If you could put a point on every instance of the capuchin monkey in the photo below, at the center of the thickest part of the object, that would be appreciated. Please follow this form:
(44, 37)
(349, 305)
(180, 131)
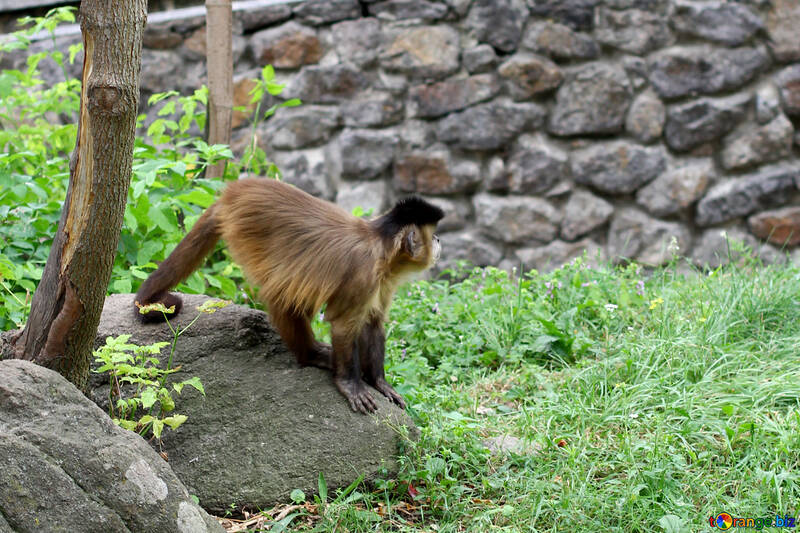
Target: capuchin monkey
(303, 252)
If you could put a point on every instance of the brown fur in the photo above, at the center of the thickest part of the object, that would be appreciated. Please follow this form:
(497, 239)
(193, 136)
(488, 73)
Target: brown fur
(303, 252)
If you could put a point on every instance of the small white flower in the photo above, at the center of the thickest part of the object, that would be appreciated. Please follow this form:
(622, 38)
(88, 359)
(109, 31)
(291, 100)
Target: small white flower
(611, 307)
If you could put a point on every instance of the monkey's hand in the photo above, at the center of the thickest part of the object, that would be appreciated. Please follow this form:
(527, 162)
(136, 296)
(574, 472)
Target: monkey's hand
(387, 390)
(357, 395)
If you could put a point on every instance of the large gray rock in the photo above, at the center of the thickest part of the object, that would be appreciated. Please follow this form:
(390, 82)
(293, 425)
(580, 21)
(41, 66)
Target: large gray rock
(617, 167)
(516, 219)
(634, 31)
(676, 189)
(65, 466)
(498, 22)
(365, 154)
(440, 98)
(287, 46)
(408, 9)
(783, 20)
(489, 126)
(535, 165)
(265, 426)
(741, 196)
(728, 23)
(583, 213)
(558, 253)
(318, 12)
(559, 42)
(695, 70)
(327, 84)
(646, 116)
(309, 170)
(426, 52)
(373, 109)
(467, 246)
(718, 246)
(593, 99)
(529, 75)
(695, 123)
(300, 127)
(577, 14)
(788, 81)
(357, 41)
(365, 194)
(634, 235)
(435, 172)
(480, 58)
(755, 144)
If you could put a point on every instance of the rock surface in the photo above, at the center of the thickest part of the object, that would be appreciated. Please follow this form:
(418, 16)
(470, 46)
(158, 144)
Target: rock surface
(634, 235)
(65, 466)
(265, 426)
(618, 167)
(676, 189)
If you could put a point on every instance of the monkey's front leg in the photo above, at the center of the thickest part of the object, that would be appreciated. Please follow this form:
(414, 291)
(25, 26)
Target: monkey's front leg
(347, 371)
(372, 352)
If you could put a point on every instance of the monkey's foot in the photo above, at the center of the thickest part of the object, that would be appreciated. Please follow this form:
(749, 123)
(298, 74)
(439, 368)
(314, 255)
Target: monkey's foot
(357, 395)
(320, 355)
(387, 390)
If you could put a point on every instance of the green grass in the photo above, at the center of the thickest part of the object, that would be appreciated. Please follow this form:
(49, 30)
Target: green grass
(642, 403)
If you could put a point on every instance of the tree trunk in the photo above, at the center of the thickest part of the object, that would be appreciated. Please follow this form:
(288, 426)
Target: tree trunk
(67, 303)
(219, 59)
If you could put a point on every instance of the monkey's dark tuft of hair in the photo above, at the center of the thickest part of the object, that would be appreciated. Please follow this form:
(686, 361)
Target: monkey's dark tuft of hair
(412, 210)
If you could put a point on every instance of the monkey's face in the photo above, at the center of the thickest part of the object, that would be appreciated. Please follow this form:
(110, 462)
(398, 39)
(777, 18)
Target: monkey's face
(421, 247)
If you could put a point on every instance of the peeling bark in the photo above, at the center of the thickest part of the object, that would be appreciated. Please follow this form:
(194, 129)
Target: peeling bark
(67, 303)
(219, 59)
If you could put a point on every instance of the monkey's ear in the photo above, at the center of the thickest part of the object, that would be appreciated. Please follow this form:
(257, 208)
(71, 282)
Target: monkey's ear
(411, 243)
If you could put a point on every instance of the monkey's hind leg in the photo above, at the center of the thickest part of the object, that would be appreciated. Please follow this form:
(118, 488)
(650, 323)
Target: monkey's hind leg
(296, 332)
(372, 352)
(347, 371)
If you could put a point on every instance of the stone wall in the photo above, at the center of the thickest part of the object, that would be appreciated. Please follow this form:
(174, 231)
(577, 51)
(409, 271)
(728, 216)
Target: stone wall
(543, 127)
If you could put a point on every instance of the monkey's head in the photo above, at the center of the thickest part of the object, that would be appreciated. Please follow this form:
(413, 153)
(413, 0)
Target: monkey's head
(410, 226)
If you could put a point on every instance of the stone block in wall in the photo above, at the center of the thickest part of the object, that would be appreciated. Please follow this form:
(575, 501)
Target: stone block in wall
(158, 68)
(290, 46)
(594, 98)
(783, 20)
(559, 42)
(480, 58)
(498, 22)
(299, 127)
(319, 12)
(457, 213)
(365, 154)
(768, 102)
(694, 70)
(489, 126)
(584, 212)
(373, 109)
(617, 167)
(327, 84)
(453, 94)
(702, 121)
(470, 246)
(366, 195)
(256, 17)
(535, 165)
(357, 41)
(309, 170)
(577, 14)
(634, 31)
(728, 23)
(754, 144)
(636, 68)
(646, 117)
(435, 172)
(634, 235)
(516, 219)
(738, 197)
(194, 46)
(676, 189)
(427, 52)
(422, 10)
(558, 253)
(528, 75)
(242, 85)
(788, 81)
(778, 226)
(718, 246)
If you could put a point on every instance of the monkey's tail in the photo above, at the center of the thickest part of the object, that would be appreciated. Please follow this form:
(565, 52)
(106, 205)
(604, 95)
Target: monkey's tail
(184, 259)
